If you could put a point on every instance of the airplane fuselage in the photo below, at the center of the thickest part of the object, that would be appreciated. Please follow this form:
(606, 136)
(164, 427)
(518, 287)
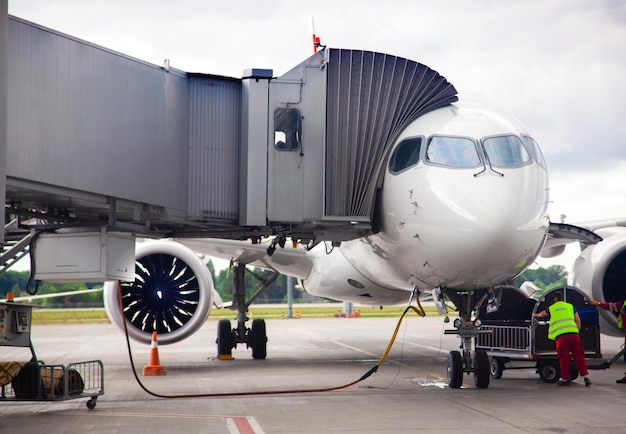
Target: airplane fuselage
(464, 205)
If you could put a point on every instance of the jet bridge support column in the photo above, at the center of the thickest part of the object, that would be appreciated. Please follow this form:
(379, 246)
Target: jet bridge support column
(4, 24)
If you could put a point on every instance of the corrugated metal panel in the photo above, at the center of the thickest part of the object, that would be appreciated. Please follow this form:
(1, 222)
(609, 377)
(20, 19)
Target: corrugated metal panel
(3, 103)
(215, 125)
(87, 118)
(371, 98)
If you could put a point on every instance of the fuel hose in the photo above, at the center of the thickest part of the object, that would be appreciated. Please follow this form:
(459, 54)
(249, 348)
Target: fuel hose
(418, 310)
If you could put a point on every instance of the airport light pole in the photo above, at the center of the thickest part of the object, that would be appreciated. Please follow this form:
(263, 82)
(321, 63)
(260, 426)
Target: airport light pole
(289, 296)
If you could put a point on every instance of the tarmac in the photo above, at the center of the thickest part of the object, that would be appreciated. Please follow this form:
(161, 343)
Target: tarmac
(286, 393)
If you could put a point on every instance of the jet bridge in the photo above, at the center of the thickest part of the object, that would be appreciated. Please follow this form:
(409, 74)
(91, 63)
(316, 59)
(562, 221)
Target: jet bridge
(95, 138)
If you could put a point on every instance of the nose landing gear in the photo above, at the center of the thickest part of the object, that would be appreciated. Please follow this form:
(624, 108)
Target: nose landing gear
(466, 361)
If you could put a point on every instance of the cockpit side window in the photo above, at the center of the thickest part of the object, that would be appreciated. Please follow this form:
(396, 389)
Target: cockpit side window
(506, 151)
(533, 147)
(287, 129)
(452, 151)
(406, 155)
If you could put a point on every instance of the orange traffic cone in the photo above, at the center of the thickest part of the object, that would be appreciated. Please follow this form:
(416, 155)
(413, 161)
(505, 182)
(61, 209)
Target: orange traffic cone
(154, 367)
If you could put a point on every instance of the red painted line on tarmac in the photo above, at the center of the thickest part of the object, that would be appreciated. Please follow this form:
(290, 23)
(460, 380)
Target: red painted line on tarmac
(243, 425)
(241, 422)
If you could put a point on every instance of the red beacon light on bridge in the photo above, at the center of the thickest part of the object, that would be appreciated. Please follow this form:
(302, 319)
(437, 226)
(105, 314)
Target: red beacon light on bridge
(316, 39)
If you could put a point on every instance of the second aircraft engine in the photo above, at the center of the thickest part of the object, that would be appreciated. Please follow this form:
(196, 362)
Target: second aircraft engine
(600, 271)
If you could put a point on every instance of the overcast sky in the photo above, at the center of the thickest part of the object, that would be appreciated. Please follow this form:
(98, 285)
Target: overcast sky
(557, 65)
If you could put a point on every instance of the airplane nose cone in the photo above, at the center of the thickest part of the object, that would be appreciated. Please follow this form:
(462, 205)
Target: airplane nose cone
(497, 232)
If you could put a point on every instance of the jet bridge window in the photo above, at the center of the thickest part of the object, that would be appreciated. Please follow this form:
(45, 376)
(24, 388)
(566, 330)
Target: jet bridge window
(452, 151)
(506, 151)
(287, 129)
(406, 155)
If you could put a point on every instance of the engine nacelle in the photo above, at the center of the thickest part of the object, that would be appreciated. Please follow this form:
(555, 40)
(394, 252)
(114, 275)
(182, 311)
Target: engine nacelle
(333, 276)
(600, 271)
(172, 294)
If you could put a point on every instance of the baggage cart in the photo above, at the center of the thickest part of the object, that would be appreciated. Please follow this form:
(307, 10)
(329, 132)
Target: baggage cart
(510, 333)
(34, 380)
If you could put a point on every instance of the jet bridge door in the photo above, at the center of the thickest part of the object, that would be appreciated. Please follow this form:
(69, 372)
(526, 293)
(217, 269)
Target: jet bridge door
(331, 123)
(296, 131)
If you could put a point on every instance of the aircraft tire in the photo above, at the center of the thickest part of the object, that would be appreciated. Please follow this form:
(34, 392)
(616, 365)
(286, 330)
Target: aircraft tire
(225, 341)
(258, 339)
(455, 370)
(482, 369)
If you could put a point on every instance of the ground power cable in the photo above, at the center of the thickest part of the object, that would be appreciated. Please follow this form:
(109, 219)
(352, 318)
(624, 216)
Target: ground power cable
(420, 311)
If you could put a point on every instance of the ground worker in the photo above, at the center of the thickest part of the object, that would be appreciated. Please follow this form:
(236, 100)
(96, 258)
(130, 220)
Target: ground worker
(564, 328)
(619, 308)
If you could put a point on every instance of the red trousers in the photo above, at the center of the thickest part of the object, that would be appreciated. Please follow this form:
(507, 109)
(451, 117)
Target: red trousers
(570, 344)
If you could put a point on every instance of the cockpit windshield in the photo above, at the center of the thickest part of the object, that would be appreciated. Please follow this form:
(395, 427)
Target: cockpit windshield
(406, 155)
(452, 151)
(506, 151)
(533, 148)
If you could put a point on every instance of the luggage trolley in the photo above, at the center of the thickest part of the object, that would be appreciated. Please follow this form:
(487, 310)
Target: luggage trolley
(510, 333)
(35, 381)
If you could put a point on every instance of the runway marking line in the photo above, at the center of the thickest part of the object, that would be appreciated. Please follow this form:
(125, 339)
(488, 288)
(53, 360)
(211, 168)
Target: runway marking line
(235, 424)
(360, 350)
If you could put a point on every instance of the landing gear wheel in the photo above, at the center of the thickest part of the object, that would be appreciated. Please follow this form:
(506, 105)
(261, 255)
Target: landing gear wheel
(549, 371)
(573, 374)
(482, 368)
(496, 367)
(455, 370)
(225, 341)
(258, 339)
(91, 404)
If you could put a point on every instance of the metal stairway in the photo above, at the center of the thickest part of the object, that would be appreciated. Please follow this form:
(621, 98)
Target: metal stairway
(16, 245)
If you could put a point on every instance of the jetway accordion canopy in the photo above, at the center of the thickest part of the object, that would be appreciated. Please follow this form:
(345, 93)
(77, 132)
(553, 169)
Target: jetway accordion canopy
(371, 98)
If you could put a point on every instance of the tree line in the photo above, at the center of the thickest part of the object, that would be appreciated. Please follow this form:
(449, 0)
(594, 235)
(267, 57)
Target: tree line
(16, 282)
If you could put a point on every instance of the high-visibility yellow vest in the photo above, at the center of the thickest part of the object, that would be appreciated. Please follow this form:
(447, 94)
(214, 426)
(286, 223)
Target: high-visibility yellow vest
(620, 316)
(562, 320)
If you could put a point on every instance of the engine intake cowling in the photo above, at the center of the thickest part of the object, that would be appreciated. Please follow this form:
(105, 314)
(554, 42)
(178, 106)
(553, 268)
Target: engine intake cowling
(171, 294)
(600, 271)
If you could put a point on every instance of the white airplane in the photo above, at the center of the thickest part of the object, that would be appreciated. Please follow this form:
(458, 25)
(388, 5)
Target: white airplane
(463, 208)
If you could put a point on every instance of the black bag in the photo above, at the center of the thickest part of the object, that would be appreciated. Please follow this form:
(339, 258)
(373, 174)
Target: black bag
(74, 382)
(27, 383)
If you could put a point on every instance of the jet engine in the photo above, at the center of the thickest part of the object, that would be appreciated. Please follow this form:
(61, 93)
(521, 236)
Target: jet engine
(600, 271)
(171, 294)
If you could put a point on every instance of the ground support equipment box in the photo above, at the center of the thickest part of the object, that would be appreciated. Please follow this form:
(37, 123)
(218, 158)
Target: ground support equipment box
(34, 380)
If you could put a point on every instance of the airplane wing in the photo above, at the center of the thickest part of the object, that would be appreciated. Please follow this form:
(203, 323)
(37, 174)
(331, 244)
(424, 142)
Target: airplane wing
(287, 260)
(561, 234)
(30, 298)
